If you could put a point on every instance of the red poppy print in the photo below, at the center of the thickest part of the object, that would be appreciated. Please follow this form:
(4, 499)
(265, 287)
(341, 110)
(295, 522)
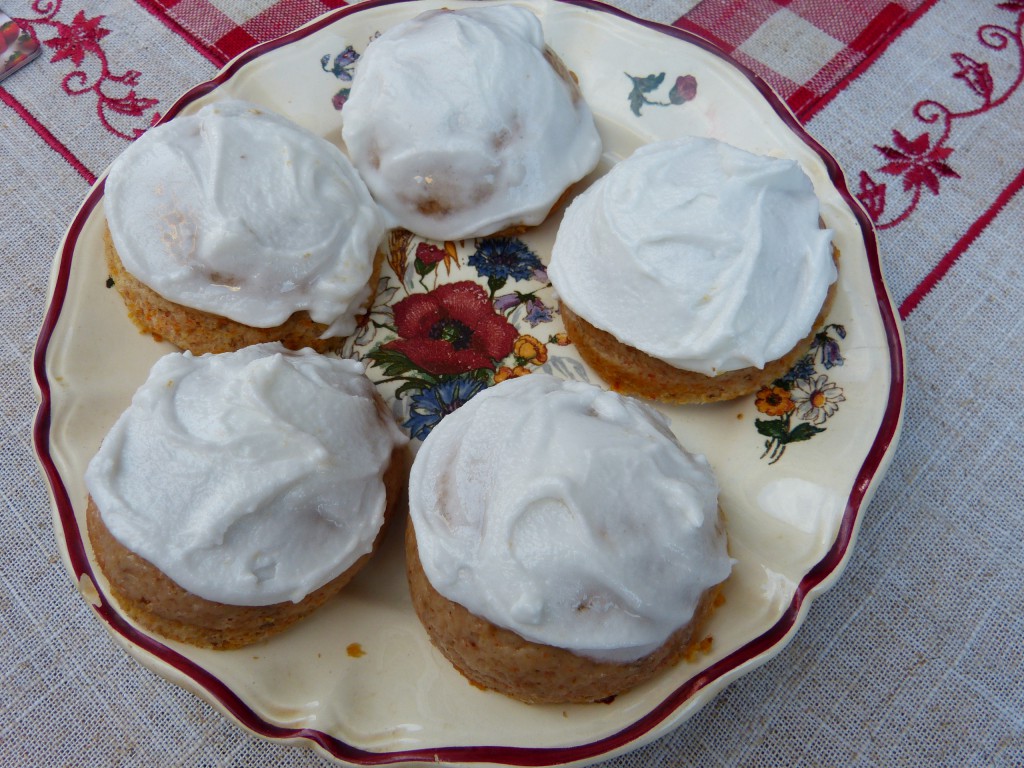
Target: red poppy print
(452, 329)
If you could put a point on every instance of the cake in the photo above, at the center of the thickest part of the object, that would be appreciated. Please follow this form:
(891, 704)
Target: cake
(465, 124)
(240, 491)
(694, 271)
(236, 226)
(562, 545)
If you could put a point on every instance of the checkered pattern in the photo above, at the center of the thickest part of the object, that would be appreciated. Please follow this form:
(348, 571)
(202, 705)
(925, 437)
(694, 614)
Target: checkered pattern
(802, 48)
(914, 658)
(224, 28)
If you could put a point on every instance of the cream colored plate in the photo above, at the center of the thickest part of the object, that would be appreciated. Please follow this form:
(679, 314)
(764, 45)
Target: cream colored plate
(792, 522)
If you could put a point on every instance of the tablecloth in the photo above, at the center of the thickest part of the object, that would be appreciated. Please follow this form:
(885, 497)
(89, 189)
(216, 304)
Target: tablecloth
(915, 657)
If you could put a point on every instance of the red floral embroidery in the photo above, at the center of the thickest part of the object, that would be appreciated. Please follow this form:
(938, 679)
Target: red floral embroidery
(871, 196)
(77, 39)
(919, 163)
(78, 42)
(975, 73)
(452, 329)
(922, 161)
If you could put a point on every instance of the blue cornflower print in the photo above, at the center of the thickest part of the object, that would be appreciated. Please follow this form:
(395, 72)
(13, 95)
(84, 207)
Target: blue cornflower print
(499, 258)
(428, 406)
(803, 369)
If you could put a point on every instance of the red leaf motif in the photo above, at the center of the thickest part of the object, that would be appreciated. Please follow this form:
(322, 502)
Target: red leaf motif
(892, 154)
(871, 196)
(75, 40)
(917, 162)
(898, 168)
(916, 147)
(64, 44)
(130, 105)
(921, 176)
(975, 74)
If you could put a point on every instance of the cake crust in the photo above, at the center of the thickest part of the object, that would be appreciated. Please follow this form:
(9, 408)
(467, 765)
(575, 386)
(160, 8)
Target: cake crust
(158, 604)
(494, 658)
(632, 372)
(200, 332)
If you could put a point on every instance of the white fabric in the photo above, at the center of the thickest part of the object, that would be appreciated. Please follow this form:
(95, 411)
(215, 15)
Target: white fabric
(914, 658)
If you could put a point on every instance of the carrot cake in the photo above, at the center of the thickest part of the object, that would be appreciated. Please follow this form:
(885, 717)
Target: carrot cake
(464, 123)
(562, 545)
(235, 226)
(240, 491)
(694, 271)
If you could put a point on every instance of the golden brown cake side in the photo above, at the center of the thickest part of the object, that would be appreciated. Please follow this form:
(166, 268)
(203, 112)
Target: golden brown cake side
(628, 370)
(201, 332)
(159, 605)
(495, 658)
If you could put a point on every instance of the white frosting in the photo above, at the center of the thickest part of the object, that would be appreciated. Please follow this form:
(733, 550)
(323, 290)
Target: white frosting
(461, 110)
(569, 515)
(242, 213)
(248, 478)
(698, 253)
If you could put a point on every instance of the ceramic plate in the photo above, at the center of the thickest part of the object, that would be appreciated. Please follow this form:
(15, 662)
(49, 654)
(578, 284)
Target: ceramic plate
(359, 679)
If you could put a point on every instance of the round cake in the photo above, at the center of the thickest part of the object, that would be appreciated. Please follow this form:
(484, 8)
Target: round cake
(464, 123)
(562, 545)
(240, 491)
(235, 226)
(694, 271)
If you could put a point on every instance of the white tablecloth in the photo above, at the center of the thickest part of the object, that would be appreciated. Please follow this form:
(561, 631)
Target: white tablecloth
(915, 657)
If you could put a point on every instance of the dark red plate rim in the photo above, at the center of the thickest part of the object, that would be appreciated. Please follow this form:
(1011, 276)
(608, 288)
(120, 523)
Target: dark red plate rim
(514, 756)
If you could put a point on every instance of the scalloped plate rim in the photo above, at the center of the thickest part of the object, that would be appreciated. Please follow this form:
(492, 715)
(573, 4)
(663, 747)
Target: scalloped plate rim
(683, 702)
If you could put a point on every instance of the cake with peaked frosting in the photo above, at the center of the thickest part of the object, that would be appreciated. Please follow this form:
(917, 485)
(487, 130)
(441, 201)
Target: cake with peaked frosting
(235, 226)
(562, 545)
(464, 123)
(240, 491)
(694, 271)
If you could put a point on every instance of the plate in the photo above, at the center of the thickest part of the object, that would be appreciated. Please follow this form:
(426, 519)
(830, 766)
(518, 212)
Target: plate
(359, 680)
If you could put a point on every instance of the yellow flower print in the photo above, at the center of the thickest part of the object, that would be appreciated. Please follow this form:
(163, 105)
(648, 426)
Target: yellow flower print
(774, 401)
(530, 350)
(504, 372)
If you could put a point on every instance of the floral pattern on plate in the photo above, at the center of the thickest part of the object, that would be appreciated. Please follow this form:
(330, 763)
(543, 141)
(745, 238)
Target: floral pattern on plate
(446, 324)
(684, 89)
(803, 394)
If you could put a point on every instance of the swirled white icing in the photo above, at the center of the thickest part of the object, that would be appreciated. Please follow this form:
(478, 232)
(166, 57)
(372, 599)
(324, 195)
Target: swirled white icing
(248, 478)
(698, 253)
(569, 515)
(242, 213)
(460, 125)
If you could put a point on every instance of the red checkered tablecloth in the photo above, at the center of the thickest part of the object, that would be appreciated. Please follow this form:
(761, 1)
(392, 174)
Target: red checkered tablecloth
(803, 49)
(914, 658)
